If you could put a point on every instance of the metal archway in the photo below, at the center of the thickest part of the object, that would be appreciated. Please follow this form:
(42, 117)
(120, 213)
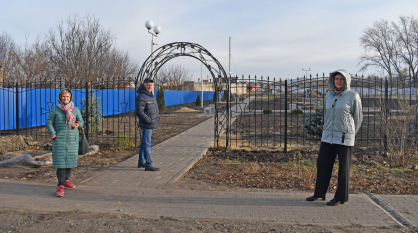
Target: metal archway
(165, 53)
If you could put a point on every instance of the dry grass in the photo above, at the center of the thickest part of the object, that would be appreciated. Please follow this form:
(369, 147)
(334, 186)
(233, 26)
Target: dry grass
(296, 170)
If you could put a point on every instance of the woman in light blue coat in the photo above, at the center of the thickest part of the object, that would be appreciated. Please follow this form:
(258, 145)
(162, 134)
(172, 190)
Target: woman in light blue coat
(342, 119)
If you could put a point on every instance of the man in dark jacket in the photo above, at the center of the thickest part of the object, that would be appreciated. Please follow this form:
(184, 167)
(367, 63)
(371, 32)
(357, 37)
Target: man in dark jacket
(146, 109)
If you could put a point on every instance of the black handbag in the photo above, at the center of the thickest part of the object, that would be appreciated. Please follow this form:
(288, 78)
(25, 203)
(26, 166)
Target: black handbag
(83, 146)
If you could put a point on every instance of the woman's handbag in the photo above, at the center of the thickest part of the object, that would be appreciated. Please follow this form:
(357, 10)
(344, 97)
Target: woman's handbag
(83, 147)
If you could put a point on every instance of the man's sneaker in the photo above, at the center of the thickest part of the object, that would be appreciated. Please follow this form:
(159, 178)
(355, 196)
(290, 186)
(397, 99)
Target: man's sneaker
(60, 191)
(68, 185)
(152, 169)
(141, 165)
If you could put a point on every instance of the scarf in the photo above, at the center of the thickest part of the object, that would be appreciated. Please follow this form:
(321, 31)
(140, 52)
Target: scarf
(67, 110)
(338, 91)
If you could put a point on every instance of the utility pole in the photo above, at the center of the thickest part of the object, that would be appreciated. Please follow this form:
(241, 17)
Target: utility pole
(306, 72)
(229, 78)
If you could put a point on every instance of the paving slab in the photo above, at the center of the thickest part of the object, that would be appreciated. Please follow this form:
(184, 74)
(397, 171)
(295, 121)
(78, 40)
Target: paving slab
(151, 202)
(405, 205)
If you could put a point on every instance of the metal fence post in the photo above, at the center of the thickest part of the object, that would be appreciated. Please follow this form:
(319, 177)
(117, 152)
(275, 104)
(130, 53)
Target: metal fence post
(228, 110)
(386, 111)
(87, 111)
(17, 108)
(285, 115)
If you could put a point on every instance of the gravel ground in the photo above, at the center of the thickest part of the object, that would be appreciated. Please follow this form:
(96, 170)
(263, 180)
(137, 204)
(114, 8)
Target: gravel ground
(26, 221)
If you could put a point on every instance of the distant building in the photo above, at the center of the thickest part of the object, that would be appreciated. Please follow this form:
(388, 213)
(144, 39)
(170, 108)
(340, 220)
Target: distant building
(173, 83)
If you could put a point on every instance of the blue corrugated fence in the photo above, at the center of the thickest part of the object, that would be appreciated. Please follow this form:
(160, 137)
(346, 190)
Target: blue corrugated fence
(35, 104)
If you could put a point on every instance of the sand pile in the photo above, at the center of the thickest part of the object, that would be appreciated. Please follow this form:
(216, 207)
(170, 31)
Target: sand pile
(186, 109)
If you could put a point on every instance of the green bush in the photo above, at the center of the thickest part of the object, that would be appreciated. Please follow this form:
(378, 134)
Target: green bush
(198, 102)
(225, 95)
(94, 112)
(267, 111)
(297, 111)
(215, 96)
(123, 142)
(160, 99)
(314, 122)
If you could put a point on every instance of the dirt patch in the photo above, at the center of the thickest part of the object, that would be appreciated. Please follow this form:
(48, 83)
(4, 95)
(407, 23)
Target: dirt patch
(30, 221)
(13, 143)
(295, 170)
(87, 166)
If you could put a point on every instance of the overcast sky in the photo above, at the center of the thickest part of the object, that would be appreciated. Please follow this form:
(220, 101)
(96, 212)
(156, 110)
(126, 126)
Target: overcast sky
(270, 38)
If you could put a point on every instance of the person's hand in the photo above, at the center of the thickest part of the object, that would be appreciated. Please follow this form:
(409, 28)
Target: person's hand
(53, 137)
(76, 125)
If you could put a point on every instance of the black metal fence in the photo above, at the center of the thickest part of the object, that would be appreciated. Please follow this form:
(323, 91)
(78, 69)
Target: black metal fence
(264, 112)
(107, 107)
(276, 111)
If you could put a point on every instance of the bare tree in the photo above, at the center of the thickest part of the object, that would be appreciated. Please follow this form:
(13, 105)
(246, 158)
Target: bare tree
(78, 48)
(172, 76)
(116, 65)
(7, 57)
(32, 62)
(406, 35)
(391, 47)
(379, 43)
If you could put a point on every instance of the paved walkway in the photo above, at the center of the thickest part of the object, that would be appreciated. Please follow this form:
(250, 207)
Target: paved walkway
(150, 202)
(124, 188)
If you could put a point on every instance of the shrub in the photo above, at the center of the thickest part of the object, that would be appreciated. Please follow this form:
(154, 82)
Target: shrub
(94, 112)
(414, 123)
(215, 96)
(123, 142)
(198, 102)
(267, 111)
(314, 122)
(160, 99)
(297, 111)
(225, 97)
(397, 134)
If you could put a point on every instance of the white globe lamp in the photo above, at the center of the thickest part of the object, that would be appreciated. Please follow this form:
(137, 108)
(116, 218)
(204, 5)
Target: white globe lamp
(149, 24)
(157, 29)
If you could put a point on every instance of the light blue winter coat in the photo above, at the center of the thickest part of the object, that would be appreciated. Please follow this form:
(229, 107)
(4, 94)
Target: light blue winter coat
(343, 113)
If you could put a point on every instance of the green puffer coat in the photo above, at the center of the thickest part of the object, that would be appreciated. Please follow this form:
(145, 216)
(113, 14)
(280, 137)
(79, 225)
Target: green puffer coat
(65, 145)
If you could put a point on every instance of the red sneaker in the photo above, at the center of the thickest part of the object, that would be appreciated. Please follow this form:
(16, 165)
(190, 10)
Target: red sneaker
(68, 185)
(60, 191)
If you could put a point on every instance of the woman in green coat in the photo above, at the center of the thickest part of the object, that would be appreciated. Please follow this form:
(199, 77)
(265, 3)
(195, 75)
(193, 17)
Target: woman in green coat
(63, 123)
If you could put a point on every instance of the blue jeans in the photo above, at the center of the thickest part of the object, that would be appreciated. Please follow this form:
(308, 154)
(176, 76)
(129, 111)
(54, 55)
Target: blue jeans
(145, 148)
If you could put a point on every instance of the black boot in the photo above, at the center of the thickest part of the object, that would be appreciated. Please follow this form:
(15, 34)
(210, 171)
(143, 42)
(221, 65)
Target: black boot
(334, 202)
(313, 198)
